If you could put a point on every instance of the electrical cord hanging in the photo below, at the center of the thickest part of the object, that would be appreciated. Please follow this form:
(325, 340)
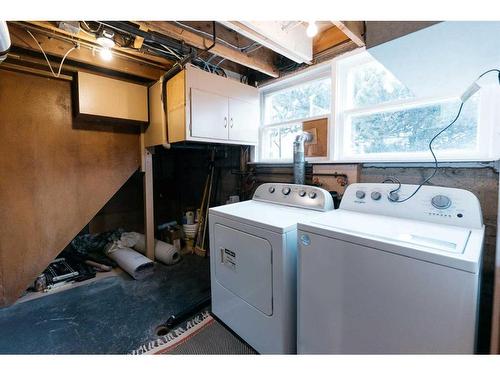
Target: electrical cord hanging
(393, 197)
(46, 58)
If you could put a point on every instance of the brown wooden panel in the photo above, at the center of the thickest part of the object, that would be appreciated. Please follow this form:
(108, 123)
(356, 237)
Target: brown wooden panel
(328, 39)
(335, 177)
(111, 98)
(156, 133)
(318, 147)
(56, 173)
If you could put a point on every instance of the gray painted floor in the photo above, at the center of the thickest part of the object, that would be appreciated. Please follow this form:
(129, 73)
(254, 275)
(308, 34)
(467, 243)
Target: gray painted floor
(110, 316)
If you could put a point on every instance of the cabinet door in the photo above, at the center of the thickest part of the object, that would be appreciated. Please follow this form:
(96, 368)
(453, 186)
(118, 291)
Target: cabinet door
(243, 121)
(209, 115)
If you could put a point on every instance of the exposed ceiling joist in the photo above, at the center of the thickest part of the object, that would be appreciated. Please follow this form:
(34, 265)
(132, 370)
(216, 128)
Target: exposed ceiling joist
(200, 42)
(58, 47)
(286, 38)
(329, 38)
(147, 58)
(355, 30)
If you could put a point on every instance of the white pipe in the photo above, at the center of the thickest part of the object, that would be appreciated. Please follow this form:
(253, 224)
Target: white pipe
(4, 40)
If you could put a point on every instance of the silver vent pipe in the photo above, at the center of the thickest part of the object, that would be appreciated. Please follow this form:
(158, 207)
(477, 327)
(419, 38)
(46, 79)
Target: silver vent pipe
(299, 161)
(4, 40)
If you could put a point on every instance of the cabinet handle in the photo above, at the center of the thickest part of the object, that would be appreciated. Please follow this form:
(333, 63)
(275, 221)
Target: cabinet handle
(232, 123)
(225, 122)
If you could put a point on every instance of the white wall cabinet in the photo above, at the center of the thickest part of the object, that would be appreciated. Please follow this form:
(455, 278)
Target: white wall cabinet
(209, 115)
(204, 107)
(242, 120)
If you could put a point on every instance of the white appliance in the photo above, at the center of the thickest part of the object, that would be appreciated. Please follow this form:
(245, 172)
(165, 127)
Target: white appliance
(4, 40)
(253, 263)
(376, 276)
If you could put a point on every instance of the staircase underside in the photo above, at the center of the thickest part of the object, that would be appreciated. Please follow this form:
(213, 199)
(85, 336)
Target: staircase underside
(56, 173)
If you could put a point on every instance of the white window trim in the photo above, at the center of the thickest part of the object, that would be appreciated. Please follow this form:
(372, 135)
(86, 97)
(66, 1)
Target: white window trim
(311, 74)
(485, 129)
(488, 132)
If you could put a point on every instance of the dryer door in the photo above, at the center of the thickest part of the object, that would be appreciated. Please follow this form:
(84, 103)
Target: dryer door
(243, 265)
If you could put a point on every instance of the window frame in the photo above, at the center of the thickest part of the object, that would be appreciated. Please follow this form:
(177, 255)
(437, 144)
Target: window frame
(488, 145)
(339, 144)
(321, 71)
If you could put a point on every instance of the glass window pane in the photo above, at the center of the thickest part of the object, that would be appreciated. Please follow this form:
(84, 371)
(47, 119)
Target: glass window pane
(277, 141)
(298, 102)
(411, 129)
(370, 84)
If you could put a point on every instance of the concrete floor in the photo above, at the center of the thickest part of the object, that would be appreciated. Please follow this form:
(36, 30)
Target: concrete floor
(110, 316)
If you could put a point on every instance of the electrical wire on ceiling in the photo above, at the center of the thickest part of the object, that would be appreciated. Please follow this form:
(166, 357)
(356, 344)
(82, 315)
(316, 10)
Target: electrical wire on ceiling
(471, 90)
(89, 28)
(154, 46)
(46, 58)
(241, 49)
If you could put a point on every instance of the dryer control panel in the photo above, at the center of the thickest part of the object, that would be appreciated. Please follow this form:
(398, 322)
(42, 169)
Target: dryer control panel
(434, 204)
(302, 196)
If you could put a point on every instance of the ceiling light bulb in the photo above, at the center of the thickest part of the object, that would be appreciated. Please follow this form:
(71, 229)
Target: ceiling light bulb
(106, 54)
(312, 29)
(105, 39)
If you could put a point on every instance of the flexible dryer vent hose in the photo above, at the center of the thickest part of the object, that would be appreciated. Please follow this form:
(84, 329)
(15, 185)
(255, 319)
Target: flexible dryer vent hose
(299, 161)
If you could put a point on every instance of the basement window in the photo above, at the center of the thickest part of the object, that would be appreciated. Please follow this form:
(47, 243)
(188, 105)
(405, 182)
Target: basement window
(372, 116)
(286, 106)
(381, 119)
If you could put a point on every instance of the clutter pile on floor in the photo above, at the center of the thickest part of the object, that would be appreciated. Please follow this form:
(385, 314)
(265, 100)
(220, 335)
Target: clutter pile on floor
(91, 253)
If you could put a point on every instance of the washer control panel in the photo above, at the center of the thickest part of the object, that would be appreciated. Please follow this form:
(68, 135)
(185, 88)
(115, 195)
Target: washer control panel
(431, 203)
(302, 196)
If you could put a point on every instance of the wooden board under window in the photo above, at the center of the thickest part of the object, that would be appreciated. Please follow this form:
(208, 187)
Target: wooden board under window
(318, 147)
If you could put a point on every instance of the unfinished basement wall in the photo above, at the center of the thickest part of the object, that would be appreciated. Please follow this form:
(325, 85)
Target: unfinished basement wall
(483, 182)
(56, 173)
(179, 175)
(124, 210)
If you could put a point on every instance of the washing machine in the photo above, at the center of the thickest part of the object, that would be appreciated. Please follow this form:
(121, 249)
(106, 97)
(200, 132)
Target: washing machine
(383, 277)
(253, 263)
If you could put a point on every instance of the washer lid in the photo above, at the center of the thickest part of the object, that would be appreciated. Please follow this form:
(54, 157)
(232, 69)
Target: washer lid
(443, 244)
(270, 216)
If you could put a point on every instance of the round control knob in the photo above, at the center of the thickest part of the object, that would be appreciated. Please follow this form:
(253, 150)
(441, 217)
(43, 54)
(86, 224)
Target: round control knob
(302, 193)
(272, 189)
(376, 195)
(393, 196)
(441, 202)
(360, 194)
(312, 195)
(285, 190)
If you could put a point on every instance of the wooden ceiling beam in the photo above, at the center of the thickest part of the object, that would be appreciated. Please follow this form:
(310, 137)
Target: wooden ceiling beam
(328, 38)
(200, 42)
(86, 55)
(355, 30)
(158, 60)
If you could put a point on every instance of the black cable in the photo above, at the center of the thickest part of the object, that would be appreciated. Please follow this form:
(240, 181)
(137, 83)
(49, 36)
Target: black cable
(87, 27)
(436, 165)
(489, 71)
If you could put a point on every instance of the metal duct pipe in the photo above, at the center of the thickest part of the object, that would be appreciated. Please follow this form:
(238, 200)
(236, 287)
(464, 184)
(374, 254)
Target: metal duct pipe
(4, 40)
(299, 161)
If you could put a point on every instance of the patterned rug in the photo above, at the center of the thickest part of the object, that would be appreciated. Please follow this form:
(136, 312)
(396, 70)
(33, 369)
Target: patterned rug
(201, 334)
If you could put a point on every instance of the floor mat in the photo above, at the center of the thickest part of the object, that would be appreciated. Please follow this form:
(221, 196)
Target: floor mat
(201, 334)
(110, 316)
